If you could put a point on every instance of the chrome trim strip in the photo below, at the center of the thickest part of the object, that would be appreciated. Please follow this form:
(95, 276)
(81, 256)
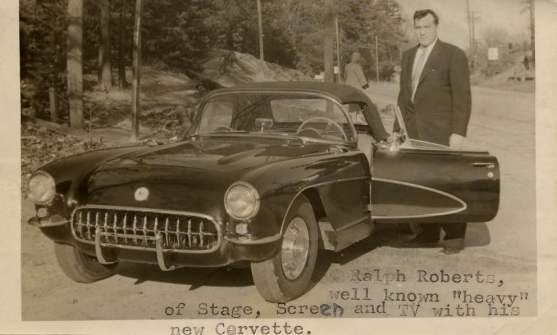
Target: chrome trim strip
(98, 250)
(115, 227)
(145, 240)
(407, 143)
(448, 195)
(47, 223)
(189, 233)
(401, 122)
(342, 180)
(200, 232)
(489, 165)
(80, 222)
(135, 229)
(146, 210)
(166, 231)
(353, 223)
(436, 147)
(268, 239)
(125, 226)
(217, 225)
(88, 225)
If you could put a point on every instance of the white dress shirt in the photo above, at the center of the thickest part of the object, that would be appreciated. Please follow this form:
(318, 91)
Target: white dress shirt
(422, 55)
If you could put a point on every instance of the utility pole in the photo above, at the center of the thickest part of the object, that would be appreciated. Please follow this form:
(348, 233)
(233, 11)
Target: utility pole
(377, 58)
(260, 22)
(475, 18)
(471, 38)
(472, 18)
(339, 61)
(328, 43)
(136, 85)
(469, 19)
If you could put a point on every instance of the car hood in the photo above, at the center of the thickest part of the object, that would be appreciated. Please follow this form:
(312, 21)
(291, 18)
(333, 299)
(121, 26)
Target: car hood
(192, 175)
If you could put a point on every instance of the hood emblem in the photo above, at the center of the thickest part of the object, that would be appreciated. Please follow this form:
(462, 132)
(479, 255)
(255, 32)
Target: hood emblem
(141, 194)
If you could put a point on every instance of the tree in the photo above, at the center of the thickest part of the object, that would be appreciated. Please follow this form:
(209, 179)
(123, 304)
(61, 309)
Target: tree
(328, 42)
(105, 67)
(530, 7)
(74, 62)
(136, 83)
(495, 37)
(176, 33)
(121, 45)
(364, 20)
(43, 44)
(305, 27)
(235, 27)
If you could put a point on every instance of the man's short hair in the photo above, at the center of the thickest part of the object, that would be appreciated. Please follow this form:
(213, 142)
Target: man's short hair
(420, 14)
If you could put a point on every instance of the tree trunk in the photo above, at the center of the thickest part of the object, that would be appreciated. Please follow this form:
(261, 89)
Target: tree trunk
(260, 27)
(328, 44)
(74, 62)
(104, 48)
(136, 107)
(121, 61)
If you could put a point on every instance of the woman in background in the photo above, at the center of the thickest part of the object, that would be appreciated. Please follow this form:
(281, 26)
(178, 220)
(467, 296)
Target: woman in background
(354, 74)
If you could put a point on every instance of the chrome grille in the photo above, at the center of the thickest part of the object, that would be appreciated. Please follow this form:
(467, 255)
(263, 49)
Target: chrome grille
(138, 228)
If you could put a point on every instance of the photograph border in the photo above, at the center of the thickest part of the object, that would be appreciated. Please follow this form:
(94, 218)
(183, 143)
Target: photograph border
(546, 190)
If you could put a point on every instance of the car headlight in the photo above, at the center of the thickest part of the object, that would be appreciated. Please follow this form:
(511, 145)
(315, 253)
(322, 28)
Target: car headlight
(241, 201)
(42, 188)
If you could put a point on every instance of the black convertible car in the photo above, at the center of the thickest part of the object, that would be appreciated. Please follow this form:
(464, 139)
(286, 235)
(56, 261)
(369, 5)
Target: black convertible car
(268, 173)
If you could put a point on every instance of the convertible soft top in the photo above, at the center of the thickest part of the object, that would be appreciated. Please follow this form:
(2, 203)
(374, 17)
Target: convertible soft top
(343, 93)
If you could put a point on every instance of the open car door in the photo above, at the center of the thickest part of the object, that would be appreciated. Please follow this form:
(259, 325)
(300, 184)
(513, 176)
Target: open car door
(419, 182)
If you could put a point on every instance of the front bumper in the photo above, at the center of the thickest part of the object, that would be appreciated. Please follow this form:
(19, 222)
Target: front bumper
(230, 249)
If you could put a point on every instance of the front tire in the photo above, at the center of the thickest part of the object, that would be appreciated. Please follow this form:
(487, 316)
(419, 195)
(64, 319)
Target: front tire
(288, 274)
(81, 267)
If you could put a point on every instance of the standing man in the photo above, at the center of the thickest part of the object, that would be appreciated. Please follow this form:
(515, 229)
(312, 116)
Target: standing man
(435, 103)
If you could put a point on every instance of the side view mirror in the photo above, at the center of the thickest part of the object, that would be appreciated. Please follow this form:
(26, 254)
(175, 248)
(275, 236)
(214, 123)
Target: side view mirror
(263, 123)
(393, 144)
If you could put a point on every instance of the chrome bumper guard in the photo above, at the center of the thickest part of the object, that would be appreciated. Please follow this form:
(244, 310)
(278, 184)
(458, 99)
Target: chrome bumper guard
(155, 230)
(159, 251)
(53, 221)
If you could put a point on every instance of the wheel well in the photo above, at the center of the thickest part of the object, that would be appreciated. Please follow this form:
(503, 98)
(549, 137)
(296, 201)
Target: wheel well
(313, 196)
(315, 200)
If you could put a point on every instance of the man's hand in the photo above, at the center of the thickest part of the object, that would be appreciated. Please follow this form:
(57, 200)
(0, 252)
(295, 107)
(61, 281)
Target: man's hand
(455, 141)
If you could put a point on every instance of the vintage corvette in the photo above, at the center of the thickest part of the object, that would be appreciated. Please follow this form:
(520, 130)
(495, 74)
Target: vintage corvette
(268, 174)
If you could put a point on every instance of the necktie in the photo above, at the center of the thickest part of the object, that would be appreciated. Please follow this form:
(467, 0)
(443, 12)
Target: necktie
(417, 70)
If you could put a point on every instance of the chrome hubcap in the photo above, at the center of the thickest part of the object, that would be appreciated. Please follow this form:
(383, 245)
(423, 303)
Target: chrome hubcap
(295, 248)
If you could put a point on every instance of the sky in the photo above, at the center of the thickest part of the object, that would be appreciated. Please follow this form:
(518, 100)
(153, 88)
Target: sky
(505, 14)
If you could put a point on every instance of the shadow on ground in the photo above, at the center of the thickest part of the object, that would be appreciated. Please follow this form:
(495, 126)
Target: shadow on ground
(477, 235)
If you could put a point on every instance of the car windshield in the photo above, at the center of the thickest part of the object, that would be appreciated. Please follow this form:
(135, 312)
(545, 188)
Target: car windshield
(309, 116)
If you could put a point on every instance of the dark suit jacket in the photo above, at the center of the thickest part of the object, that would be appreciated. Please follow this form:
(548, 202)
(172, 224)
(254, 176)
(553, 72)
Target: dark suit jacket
(442, 102)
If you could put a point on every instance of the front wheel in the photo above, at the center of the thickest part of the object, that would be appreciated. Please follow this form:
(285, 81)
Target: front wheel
(81, 267)
(288, 274)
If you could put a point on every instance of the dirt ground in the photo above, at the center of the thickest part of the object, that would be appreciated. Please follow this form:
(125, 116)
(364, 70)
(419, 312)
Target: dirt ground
(504, 249)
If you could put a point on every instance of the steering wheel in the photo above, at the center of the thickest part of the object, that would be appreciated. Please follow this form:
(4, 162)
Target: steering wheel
(330, 122)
